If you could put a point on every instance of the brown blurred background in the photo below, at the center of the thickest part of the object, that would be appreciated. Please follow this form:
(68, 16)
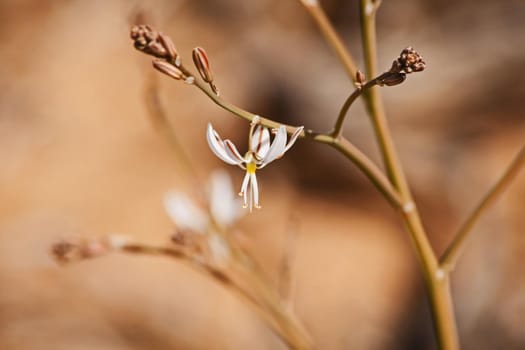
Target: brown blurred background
(79, 155)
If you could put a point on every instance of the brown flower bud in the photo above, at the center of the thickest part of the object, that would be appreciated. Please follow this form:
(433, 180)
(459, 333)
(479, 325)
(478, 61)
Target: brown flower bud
(168, 45)
(408, 61)
(360, 77)
(149, 41)
(168, 69)
(201, 62)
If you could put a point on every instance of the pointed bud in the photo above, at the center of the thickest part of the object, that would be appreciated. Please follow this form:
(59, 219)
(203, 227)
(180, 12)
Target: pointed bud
(168, 69)
(359, 77)
(201, 62)
(168, 45)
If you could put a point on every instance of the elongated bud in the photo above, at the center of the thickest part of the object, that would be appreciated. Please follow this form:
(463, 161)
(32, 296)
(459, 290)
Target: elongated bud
(168, 69)
(359, 78)
(203, 65)
(168, 45)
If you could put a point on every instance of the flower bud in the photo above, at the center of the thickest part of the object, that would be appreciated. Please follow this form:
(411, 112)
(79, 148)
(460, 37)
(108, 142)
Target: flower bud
(408, 61)
(168, 45)
(201, 62)
(168, 69)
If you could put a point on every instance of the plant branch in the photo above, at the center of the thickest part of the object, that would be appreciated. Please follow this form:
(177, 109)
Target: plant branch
(332, 38)
(338, 127)
(368, 9)
(452, 253)
(436, 280)
(344, 146)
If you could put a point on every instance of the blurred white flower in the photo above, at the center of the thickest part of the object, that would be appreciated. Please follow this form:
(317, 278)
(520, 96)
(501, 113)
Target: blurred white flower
(222, 206)
(261, 153)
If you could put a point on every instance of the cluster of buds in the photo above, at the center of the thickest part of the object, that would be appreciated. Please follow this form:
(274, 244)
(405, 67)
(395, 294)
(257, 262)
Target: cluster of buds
(80, 249)
(154, 43)
(409, 61)
(167, 61)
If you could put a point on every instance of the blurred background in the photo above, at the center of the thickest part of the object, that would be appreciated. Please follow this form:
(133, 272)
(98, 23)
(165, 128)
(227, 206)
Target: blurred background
(81, 155)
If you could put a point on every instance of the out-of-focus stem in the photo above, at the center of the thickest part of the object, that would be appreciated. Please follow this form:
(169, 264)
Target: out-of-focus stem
(286, 326)
(452, 253)
(332, 38)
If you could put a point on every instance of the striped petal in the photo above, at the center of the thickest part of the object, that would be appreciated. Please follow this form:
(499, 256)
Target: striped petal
(217, 146)
(260, 141)
(244, 187)
(232, 152)
(277, 147)
(294, 137)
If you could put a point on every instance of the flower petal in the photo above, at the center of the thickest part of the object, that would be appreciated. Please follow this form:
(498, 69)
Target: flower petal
(232, 152)
(224, 206)
(278, 146)
(244, 187)
(260, 141)
(217, 146)
(294, 137)
(184, 213)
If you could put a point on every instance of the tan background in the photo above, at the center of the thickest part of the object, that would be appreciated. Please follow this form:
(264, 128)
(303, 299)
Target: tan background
(79, 156)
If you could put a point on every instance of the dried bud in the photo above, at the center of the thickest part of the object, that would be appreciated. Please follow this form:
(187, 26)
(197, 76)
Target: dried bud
(149, 41)
(201, 62)
(168, 69)
(79, 249)
(360, 77)
(408, 61)
(168, 45)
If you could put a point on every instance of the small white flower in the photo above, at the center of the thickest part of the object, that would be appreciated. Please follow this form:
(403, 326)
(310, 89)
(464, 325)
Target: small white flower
(261, 153)
(223, 206)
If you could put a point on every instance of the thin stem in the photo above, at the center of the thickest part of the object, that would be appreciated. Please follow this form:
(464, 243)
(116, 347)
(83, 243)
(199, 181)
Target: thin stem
(368, 9)
(286, 326)
(338, 127)
(452, 253)
(332, 38)
(436, 280)
(368, 168)
(161, 124)
(372, 172)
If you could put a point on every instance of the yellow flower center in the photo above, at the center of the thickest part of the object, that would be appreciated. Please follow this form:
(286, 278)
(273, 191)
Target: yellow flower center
(251, 167)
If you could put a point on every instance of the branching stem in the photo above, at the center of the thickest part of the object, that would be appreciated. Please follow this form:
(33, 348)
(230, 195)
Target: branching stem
(452, 253)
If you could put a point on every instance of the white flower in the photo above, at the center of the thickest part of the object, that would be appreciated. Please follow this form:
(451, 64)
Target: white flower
(222, 211)
(261, 153)
(223, 206)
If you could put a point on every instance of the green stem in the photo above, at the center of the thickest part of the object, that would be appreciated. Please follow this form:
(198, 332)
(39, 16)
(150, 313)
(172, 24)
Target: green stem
(439, 294)
(371, 171)
(452, 253)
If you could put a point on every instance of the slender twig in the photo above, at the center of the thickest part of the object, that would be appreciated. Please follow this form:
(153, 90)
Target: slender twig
(437, 281)
(332, 38)
(360, 90)
(368, 9)
(286, 326)
(452, 253)
(344, 146)
(162, 124)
